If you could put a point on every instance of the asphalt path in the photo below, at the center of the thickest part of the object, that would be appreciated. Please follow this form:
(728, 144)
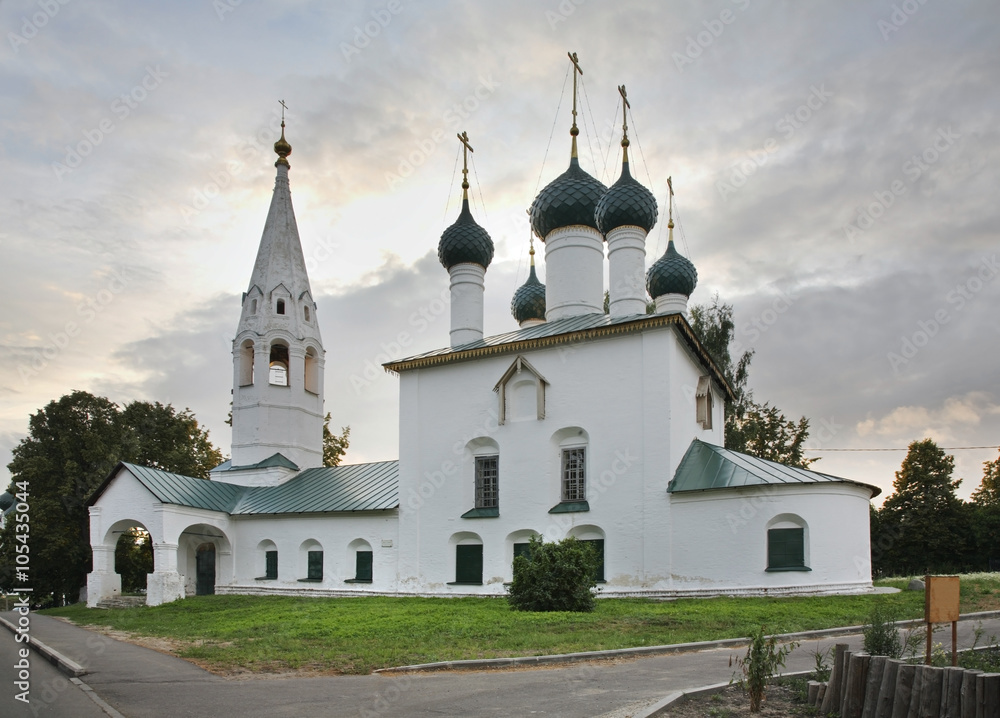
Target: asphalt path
(142, 683)
(50, 692)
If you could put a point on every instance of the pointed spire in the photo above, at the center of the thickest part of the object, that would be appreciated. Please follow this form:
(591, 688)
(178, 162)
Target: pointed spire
(528, 303)
(670, 214)
(281, 147)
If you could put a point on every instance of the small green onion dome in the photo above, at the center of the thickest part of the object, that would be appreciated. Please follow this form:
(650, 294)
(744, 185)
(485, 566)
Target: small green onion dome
(465, 241)
(6, 500)
(672, 273)
(627, 202)
(529, 299)
(569, 199)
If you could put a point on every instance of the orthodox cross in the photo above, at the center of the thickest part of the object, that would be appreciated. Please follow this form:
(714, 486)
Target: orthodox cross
(625, 108)
(283, 108)
(670, 187)
(576, 69)
(466, 149)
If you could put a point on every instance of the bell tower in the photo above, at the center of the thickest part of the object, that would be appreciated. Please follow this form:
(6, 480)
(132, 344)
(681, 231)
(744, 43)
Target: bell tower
(278, 354)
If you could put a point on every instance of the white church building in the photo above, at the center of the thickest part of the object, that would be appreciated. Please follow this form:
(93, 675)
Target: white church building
(603, 426)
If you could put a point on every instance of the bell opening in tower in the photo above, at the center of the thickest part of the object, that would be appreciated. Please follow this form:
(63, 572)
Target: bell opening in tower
(278, 374)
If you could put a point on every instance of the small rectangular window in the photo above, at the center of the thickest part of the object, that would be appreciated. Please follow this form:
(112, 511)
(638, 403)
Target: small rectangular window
(487, 482)
(363, 570)
(469, 563)
(574, 486)
(315, 572)
(785, 549)
(271, 564)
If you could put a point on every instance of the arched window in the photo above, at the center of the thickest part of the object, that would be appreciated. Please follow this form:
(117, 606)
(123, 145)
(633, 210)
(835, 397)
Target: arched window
(281, 306)
(311, 372)
(305, 313)
(270, 555)
(787, 543)
(253, 306)
(246, 363)
(278, 366)
(360, 553)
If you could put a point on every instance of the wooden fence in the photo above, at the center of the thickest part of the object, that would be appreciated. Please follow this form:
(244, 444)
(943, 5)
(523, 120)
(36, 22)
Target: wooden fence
(863, 686)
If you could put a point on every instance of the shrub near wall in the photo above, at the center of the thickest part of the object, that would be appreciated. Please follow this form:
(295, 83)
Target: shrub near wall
(555, 577)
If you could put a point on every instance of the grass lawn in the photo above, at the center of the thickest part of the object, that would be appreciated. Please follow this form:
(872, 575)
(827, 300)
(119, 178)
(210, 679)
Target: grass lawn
(356, 635)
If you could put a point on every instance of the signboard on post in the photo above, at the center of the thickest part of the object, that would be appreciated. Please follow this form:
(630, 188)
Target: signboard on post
(941, 605)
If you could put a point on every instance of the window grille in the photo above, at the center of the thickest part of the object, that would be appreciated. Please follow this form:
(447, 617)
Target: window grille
(574, 474)
(487, 482)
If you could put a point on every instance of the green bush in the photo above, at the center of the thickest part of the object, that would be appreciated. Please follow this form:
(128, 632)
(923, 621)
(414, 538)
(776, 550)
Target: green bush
(555, 577)
(763, 660)
(881, 633)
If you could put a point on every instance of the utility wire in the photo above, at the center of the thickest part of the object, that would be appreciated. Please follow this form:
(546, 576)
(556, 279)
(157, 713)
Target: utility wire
(943, 448)
(451, 186)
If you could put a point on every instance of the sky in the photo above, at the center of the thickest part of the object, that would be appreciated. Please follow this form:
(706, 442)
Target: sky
(834, 163)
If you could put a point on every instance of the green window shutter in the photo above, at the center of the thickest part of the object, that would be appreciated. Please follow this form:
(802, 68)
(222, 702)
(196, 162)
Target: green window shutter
(315, 566)
(599, 545)
(522, 549)
(785, 548)
(271, 564)
(469, 563)
(363, 570)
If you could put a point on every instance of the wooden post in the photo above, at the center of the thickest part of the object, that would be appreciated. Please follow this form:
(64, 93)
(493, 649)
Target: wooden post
(913, 711)
(887, 692)
(930, 692)
(951, 693)
(855, 687)
(969, 694)
(988, 695)
(821, 694)
(812, 690)
(831, 699)
(904, 686)
(843, 681)
(876, 667)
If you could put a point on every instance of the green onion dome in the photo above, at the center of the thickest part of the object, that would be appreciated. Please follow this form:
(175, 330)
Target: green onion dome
(672, 273)
(465, 241)
(569, 199)
(627, 202)
(529, 299)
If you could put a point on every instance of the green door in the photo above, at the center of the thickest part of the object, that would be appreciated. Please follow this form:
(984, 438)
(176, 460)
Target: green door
(205, 570)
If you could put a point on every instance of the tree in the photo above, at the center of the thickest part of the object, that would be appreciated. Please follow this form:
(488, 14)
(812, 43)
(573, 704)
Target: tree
(73, 443)
(555, 576)
(134, 558)
(752, 428)
(985, 517)
(334, 446)
(923, 521)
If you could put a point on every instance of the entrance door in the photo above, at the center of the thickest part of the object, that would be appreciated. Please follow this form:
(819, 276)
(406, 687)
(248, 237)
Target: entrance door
(205, 560)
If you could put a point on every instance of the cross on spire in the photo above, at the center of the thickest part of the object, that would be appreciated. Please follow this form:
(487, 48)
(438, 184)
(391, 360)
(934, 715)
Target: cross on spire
(574, 131)
(466, 149)
(670, 200)
(283, 108)
(625, 108)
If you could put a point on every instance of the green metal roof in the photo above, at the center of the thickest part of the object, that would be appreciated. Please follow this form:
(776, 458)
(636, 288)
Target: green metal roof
(705, 467)
(184, 490)
(271, 461)
(357, 487)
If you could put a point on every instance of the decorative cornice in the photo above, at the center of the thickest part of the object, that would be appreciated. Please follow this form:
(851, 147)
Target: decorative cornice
(651, 321)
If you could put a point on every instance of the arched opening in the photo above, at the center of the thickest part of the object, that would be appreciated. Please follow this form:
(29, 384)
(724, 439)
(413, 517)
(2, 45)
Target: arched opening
(311, 561)
(787, 543)
(311, 379)
(133, 559)
(268, 560)
(278, 365)
(204, 558)
(468, 558)
(361, 556)
(280, 307)
(595, 537)
(253, 306)
(305, 313)
(246, 363)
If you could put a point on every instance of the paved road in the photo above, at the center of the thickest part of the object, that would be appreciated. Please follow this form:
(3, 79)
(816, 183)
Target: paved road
(50, 692)
(142, 683)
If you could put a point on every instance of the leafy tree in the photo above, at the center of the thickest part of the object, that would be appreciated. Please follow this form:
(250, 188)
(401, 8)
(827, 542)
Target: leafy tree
(134, 559)
(555, 576)
(73, 443)
(334, 446)
(985, 516)
(752, 428)
(923, 520)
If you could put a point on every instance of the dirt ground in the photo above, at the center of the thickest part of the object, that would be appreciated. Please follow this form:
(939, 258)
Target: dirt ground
(780, 700)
